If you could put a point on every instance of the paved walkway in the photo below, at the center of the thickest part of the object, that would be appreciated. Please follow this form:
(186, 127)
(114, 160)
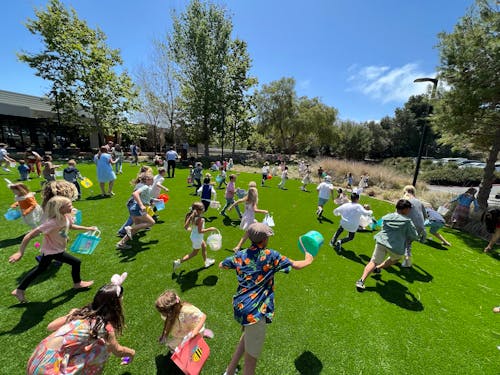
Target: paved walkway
(492, 201)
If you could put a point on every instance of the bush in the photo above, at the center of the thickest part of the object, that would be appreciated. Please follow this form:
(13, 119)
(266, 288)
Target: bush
(451, 175)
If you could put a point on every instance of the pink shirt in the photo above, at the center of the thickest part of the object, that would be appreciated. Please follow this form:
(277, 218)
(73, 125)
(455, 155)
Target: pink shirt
(55, 236)
(230, 190)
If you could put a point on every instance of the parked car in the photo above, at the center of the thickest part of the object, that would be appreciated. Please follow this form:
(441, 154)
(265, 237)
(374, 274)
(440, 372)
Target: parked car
(472, 164)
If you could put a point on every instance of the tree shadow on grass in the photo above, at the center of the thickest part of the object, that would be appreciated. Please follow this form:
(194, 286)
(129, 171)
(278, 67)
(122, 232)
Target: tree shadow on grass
(396, 293)
(477, 245)
(188, 280)
(411, 274)
(308, 364)
(165, 365)
(11, 241)
(35, 311)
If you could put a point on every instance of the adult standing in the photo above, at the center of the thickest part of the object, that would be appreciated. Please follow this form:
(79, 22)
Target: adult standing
(105, 173)
(171, 157)
(134, 152)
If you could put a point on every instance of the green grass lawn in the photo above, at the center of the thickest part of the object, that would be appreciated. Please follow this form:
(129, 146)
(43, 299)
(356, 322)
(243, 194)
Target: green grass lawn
(434, 318)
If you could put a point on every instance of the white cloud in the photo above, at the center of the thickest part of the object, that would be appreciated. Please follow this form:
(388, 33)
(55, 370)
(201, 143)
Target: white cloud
(304, 84)
(388, 84)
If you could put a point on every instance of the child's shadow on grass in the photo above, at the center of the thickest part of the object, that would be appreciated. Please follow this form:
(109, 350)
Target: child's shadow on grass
(97, 197)
(396, 293)
(129, 255)
(210, 219)
(351, 255)
(435, 245)
(308, 364)
(189, 279)
(228, 222)
(11, 241)
(165, 366)
(412, 274)
(35, 311)
(324, 218)
(46, 275)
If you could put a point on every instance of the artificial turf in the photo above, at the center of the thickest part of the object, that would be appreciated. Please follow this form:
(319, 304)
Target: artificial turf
(433, 318)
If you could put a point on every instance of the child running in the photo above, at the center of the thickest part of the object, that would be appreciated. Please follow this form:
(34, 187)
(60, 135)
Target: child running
(284, 177)
(26, 201)
(49, 169)
(341, 198)
(397, 229)
(350, 213)
(435, 221)
(222, 177)
(324, 189)
(307, 178)
(141, 197)
(250, 200)
(253, 303)
(207, 192)
(230, 191)
(265, 173)
(83, 339)
(55, 237)
(195, 223)
(182, 320)
(24, 170)
(72, 174)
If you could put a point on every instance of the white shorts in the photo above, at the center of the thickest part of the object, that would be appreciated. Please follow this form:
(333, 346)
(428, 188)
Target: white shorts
(197, 240)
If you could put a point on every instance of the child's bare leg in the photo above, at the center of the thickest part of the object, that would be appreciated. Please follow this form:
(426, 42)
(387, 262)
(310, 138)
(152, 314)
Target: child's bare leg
(242, 240)
(238, 353)
(494, 238)
(83, 284)
(190, 255)
(250, 365)
(204, 251)
(442, 239)
(368, 269)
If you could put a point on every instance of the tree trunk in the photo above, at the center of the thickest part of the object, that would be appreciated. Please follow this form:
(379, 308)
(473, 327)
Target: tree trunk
(489, 173)
(206, 138)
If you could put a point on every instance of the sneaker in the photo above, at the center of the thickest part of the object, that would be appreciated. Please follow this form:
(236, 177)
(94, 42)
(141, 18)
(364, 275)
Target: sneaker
(176, 264)
(360, 285)
(377, 271)
(332, 243)
(123, 246)
(128, 230)
(406, 263)
(6, 169)
(338, 246)
(120, 234)
(209, 262)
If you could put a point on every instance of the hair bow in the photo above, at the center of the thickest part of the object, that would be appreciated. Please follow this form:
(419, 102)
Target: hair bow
(118, 281)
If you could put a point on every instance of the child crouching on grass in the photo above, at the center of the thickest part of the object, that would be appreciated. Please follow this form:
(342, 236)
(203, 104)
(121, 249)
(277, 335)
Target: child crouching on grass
(55, 230)
(195, 223)
(253, 303)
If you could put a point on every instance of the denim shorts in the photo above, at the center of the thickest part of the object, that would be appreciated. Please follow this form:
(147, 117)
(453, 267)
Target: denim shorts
(133, 208)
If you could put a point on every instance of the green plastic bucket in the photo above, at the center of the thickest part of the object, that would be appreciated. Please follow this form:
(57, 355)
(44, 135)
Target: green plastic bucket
(311, 241)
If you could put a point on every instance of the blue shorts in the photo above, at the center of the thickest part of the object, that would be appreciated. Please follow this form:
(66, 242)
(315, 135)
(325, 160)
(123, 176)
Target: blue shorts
(434, 226)
(133, 208)
(322, 201)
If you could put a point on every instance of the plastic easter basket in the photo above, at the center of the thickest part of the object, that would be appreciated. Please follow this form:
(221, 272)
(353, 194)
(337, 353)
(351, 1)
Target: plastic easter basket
(85, 243)
(12, 214)
(214, 241)
(86, 183)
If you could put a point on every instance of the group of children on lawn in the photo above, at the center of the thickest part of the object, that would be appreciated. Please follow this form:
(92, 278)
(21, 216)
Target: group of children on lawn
(94, 327)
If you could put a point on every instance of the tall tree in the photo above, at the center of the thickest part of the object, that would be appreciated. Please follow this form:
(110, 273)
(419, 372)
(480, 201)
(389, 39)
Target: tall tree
(82, 69)
(275, 107)
(355, 140)
(468, 115)
(202, 48)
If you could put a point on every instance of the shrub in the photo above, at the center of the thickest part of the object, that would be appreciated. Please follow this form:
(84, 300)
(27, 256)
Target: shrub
(451, 175)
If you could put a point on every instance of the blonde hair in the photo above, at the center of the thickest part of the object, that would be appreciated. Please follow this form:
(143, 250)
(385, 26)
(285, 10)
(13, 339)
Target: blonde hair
(142, 177)
(58, 188)
(252, 196)
(54, 205)
(20, 187)
(169, 306)
(71, 162)
(252, 184)
(409, 190)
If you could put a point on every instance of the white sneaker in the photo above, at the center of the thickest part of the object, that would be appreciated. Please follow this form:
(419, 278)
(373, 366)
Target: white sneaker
(406, 263)
(209, 262)
(6, 169)
(128, 230)
(176, 264)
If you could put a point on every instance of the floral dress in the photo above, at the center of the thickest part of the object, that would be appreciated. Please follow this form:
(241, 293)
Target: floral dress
(189, 317)
(70, 350)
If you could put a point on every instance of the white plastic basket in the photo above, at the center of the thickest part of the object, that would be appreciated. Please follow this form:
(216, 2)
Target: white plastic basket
(443, 210)
(215, 204)
(214, 241)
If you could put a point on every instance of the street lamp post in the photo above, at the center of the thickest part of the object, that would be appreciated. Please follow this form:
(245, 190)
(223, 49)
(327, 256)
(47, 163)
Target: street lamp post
(424, 128)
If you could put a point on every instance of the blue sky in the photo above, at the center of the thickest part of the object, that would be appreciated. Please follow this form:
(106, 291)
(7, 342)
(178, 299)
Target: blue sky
(359, 56)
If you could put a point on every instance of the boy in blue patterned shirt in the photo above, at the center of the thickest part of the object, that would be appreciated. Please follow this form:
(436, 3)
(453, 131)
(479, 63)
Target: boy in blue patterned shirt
(253, 303)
